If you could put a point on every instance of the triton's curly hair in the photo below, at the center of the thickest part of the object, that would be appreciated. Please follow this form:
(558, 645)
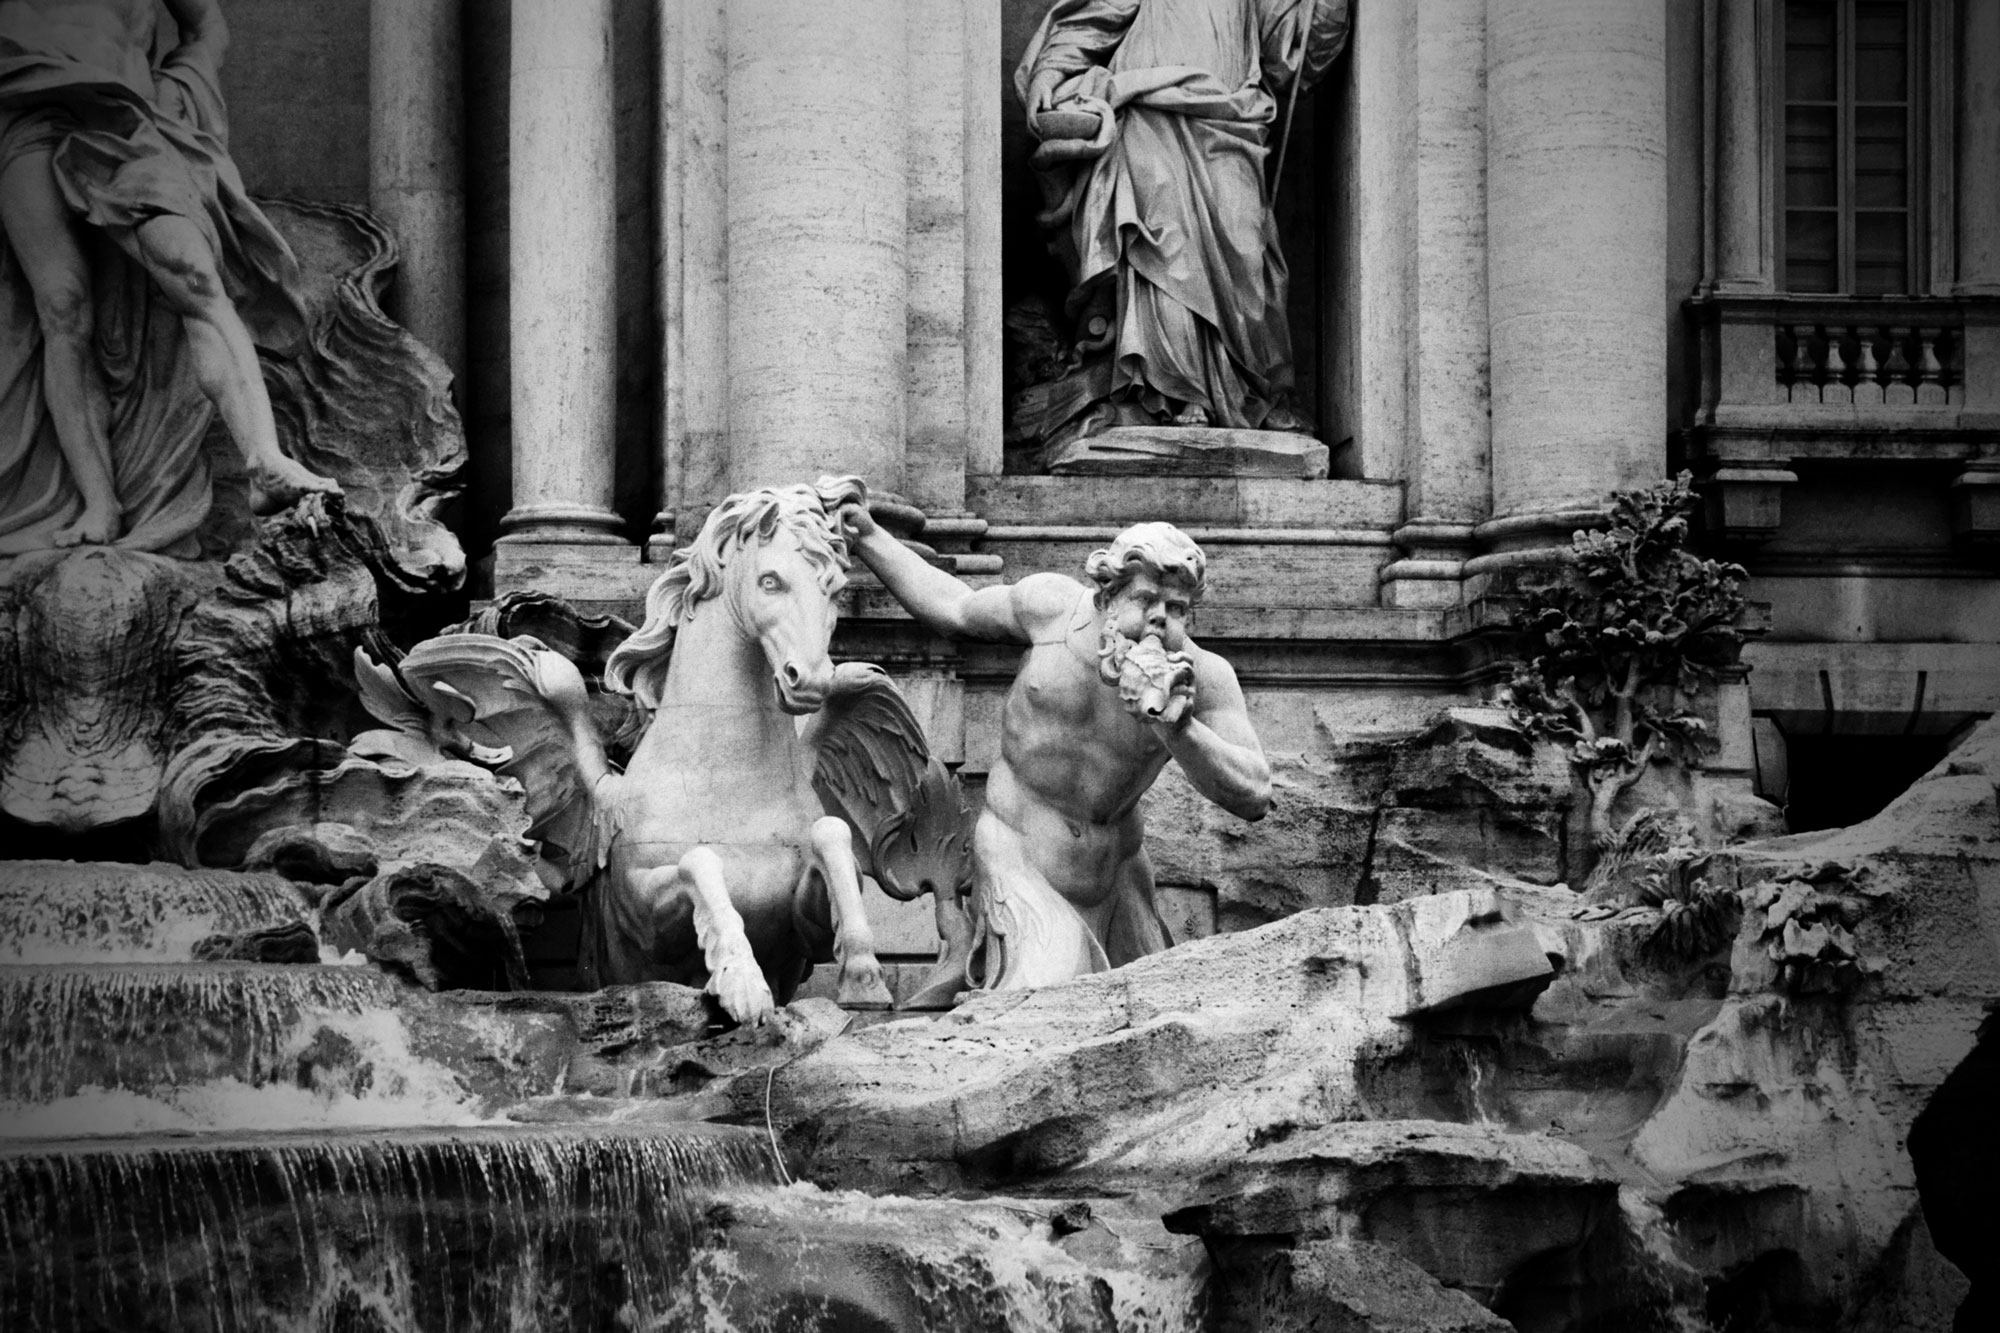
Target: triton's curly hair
(1161, 549)
(694, 574)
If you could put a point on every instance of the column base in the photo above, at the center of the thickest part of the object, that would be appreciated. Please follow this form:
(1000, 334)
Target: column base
(559, 524)
(1432, 571)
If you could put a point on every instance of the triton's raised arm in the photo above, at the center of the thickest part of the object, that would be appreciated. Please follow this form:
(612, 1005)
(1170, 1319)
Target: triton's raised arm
(1008, 614)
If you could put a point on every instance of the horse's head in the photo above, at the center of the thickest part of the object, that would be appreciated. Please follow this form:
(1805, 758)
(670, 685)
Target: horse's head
(781, 589)
(775, 560)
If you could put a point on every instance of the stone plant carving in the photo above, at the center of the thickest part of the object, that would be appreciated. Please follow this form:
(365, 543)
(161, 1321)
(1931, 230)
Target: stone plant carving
(728, 852)
(1110, 688)
(1160, 113)
(1807, 930)
(142, 278)
(1618, 645)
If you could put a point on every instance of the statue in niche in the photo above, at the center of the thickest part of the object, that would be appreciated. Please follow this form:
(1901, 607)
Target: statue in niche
(136, 280)
(1110, 688)
(1155, 119)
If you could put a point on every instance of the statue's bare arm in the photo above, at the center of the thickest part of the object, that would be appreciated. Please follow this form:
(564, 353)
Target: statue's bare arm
(1215, 744)
(204, 32)
(1016, 613)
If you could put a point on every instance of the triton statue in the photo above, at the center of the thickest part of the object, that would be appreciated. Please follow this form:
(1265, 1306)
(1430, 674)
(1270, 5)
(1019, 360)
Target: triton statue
(1110, 688)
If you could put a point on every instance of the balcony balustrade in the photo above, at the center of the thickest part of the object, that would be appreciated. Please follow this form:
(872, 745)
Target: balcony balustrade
(1891, 381)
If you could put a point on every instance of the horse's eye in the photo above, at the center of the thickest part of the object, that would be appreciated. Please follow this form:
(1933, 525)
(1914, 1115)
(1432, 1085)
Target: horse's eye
(771, 583)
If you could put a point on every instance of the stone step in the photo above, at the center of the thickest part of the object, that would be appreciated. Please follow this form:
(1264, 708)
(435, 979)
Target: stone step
(1188, 502)
(101, 911)
(547, 1228)
(103, 1049)
(1336, 569)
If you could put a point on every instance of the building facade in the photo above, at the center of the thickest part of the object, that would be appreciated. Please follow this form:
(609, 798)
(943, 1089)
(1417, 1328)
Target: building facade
(1540, 250)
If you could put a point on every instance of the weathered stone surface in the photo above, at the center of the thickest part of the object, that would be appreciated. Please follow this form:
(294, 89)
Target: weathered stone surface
(1326, 1286)
(802, 1258)
(1469, 1204)
(1375, 800)
(1159, 1068)
(1465, 953)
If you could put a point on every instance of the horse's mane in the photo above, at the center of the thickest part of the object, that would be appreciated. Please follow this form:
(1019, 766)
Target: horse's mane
(694, 574)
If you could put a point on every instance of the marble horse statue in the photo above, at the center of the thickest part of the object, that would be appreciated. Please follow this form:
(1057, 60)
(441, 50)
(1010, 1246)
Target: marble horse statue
(729, 852)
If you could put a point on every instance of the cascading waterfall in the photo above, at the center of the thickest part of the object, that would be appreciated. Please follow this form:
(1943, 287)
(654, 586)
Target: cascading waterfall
(63, 1029)
(465, 1229)
(65, 912)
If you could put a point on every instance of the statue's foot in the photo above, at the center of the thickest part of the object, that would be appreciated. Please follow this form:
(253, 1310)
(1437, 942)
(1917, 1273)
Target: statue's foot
(1192, 415)
(862, 985)
(279, 482)
(746, 997)
(97, 525)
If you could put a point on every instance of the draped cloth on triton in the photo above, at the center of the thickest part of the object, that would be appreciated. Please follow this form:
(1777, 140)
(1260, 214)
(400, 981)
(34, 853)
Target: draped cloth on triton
(121, 155)
(1174, 214)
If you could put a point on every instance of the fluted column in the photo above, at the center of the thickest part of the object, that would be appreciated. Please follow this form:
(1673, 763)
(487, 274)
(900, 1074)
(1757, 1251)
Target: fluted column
(1576, 270)
(561, 223)
(1743, 258)
(818, 219)
(1450, 489)
(416, 164)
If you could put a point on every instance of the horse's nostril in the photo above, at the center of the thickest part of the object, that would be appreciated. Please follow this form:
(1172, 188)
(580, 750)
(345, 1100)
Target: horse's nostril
(792, 674)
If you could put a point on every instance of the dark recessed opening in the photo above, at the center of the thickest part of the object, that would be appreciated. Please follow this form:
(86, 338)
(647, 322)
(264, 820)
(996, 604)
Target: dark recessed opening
(1842, 780)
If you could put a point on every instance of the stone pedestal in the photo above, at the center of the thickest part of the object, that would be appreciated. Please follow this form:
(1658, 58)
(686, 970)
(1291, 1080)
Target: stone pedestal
(562, 238)
(1190, 451)
(1577, 225)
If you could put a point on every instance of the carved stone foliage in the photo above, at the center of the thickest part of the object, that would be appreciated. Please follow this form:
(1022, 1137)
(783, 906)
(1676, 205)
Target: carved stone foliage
(165, 698)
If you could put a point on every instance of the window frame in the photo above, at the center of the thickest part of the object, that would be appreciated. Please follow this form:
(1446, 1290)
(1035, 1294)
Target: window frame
(1928, 211)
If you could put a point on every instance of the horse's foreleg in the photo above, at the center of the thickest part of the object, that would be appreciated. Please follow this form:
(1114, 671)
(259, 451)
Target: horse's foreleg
(861, 980)
(734, 977)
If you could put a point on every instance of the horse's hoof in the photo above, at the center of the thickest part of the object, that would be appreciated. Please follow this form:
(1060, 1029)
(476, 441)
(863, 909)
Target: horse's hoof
(744, 994)
(862, 987)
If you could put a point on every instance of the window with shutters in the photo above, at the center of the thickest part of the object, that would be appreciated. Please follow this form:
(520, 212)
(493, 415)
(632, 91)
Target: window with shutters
(1851, 190)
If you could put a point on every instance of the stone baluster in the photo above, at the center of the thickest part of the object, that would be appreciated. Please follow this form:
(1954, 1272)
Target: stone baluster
(1834, 387)
(1805, 371)
(1867, 373)
(561, 241)
(1930, 373)
(1900, 391)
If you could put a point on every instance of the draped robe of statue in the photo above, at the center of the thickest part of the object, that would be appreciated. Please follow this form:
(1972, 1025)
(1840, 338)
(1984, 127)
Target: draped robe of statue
(123, 154)
(1175, 210)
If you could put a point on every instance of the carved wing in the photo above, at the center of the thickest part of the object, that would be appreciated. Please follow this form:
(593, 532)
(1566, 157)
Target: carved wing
(875, 770)
(513, 705)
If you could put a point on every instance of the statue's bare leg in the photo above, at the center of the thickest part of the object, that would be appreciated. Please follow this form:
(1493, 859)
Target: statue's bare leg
(734, 977)
(860, 975)
(1134, 928)
(225, 361)
(41, 232)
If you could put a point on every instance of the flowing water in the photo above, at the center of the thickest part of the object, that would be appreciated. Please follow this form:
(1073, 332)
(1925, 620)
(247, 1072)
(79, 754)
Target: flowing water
(68, 912)
(475, 1229)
